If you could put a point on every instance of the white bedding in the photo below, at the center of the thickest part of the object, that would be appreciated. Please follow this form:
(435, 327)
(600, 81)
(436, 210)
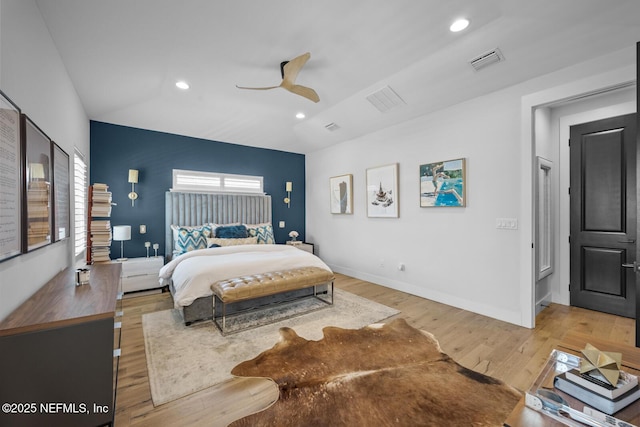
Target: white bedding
(193, 273)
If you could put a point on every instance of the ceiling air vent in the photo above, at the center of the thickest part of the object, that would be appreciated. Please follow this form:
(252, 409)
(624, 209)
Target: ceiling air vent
(385, 99)
(486, 59)
(331, 127)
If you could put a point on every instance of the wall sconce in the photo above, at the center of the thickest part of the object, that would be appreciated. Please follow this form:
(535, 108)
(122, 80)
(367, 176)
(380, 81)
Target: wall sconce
(133, 179)
(288, 187)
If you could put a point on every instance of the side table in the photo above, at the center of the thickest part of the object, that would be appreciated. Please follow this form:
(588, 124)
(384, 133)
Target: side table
(141, 273)
(308, 247)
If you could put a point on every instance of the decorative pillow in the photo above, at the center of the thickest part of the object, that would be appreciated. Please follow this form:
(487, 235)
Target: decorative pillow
(264, 233)
(231, 242)
(187, 239)
(231, 232)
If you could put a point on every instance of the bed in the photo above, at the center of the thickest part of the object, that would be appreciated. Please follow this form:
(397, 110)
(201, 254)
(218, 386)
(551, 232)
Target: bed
(191, 274)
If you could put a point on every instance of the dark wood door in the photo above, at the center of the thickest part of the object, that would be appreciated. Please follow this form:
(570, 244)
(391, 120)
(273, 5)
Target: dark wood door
(603, 215)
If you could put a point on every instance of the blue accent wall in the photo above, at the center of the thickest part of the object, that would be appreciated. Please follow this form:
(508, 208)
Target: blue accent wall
(116, 149)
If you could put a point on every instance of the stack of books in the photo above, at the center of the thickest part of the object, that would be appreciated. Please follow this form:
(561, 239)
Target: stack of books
(595, 391)
(101, 202)
(100, 229)
(100, 240)
(38, 212)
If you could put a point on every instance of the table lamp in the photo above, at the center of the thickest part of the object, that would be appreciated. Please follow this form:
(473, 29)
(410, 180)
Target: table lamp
(122, 233)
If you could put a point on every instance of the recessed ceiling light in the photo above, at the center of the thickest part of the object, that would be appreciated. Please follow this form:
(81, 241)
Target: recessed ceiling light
(459, 25)
(182, 85)
(300, 116)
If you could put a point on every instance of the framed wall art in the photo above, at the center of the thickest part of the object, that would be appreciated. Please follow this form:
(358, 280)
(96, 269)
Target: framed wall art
(443, 184)
(11, 184)
(61, 194)
(382, 191)
(38, 185)
(341, 194)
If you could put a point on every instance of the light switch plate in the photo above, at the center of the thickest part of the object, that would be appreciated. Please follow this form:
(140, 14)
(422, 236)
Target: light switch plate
(507, 223)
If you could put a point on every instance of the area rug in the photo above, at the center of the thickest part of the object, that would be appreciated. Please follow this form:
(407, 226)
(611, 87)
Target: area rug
(391, 374)
(185, 359)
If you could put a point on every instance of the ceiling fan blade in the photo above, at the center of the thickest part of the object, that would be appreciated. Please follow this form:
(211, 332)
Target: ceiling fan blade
(307, 92)
(290, 73)
(257, 88)
(293, 67)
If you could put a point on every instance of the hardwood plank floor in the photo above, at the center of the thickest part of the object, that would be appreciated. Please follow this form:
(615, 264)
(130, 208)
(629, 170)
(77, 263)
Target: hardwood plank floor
(502, 350)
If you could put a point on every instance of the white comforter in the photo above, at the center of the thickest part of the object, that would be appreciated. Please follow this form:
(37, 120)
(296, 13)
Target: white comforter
(193, 273)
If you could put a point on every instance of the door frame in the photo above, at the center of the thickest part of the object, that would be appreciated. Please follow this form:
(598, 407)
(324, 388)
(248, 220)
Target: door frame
(593, 85)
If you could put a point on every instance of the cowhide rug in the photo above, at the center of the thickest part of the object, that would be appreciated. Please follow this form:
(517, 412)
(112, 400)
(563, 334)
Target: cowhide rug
(375, 376)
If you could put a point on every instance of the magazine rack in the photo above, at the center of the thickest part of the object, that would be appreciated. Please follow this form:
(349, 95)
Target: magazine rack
(543, 397)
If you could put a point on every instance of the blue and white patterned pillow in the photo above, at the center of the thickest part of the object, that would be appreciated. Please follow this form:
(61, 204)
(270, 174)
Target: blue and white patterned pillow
(264, 233)
(187, 239)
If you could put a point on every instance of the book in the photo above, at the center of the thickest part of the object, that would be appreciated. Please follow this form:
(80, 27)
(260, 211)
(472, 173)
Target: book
(598, 384)
(595, 400)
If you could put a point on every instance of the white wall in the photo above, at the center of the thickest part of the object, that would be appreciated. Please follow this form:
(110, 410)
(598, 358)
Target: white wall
(33, 76)
(452, 255)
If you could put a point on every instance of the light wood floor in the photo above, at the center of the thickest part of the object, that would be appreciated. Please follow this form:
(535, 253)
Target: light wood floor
(510, 353)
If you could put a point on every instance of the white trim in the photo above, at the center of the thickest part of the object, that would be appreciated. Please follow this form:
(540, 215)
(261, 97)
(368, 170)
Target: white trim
(544, 244)
(529, 103)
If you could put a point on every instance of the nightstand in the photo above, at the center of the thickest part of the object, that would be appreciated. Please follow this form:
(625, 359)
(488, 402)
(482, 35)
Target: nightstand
(141, 273)
(308, 247)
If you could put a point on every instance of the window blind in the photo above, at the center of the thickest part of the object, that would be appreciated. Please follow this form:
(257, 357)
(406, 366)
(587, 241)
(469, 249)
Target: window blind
(80, 203)
(203, 182)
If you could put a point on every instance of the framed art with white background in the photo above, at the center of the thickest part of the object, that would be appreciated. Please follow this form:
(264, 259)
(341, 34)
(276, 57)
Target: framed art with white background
(382, 191)
(61, 195)
(11, 185)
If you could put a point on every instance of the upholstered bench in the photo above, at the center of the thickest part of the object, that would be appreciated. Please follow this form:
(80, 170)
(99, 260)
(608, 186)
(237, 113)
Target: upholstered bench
(260, 285)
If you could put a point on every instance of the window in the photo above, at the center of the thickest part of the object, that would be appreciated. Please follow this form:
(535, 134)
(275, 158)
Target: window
(80, 203)
(203, 182)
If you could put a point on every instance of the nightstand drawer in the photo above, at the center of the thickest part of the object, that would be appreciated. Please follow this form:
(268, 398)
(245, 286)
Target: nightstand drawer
(141, 273)
(137, 266)
(141, 282)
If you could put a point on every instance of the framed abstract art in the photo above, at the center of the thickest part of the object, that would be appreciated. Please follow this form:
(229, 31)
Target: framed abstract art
(341, 194)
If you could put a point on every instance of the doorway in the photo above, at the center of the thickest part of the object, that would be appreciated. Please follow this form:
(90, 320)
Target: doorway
(551, 140)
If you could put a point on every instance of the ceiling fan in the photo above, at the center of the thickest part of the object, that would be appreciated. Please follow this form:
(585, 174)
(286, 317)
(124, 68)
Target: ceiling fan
(289, 71)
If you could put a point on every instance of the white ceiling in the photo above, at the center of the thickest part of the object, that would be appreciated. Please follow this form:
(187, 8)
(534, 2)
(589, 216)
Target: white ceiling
(124, 57)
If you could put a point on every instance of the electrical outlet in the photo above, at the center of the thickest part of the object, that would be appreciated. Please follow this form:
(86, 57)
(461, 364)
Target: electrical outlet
(381, 263)
(281, 224)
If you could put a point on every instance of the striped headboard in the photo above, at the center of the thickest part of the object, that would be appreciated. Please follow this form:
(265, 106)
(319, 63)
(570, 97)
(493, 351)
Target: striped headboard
(199, 208)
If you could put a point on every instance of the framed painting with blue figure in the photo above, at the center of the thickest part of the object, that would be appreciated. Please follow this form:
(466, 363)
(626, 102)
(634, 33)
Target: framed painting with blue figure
(341, 193)
(443, 184)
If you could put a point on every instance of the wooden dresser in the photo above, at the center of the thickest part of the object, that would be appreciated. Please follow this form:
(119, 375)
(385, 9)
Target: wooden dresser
(59, 352)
